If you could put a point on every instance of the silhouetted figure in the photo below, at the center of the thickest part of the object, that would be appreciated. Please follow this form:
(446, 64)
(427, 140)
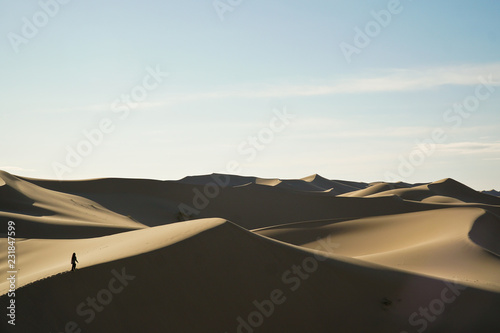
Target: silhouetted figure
(73, 262)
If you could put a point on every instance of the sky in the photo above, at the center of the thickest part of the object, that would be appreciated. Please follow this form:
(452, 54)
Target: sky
(357, 90)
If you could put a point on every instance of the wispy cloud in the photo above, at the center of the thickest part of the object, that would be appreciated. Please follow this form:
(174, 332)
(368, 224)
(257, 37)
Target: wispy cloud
(377, 133)
(387, 80)
(376, 81)
(469, 148)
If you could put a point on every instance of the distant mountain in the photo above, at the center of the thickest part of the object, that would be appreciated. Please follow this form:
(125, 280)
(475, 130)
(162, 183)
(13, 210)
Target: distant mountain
(492, 192)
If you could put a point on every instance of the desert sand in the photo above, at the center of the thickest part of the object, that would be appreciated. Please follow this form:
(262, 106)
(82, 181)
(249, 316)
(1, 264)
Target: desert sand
(223, 253)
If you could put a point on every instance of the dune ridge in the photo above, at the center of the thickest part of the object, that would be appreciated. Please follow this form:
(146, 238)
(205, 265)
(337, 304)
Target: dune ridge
(292, 255)
(41, 212)
(270, 262)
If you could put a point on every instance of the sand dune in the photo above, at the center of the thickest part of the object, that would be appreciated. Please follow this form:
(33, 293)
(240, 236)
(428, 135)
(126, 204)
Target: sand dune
(434, 243)
(486, 233)
(250, 205)
(256, 255)
(44, 213)
(206, 277)
(313, 183)
(375, 188)
(442, 191)
(338, 186)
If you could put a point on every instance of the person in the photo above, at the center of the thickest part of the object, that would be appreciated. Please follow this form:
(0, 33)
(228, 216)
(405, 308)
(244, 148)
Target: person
(73, 261)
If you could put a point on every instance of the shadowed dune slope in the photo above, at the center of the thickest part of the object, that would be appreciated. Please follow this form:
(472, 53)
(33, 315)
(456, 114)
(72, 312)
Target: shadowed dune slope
(313, 183)
(45, 213)
(443, 191)
(296, 256)
(216, 278)
(250, 206)
(41, 258)
(486, 233)
(434, 243)
(375, 188)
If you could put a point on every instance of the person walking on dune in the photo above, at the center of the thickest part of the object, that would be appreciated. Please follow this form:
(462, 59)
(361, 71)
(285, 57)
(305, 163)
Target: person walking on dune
(73, 261)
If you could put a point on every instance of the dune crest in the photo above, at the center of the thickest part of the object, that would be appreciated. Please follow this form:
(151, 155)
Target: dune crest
(486, 233)
(253, 254)
(45, 213)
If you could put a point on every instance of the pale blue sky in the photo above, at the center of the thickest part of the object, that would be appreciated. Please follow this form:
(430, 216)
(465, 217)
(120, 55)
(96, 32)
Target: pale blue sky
(356, 119)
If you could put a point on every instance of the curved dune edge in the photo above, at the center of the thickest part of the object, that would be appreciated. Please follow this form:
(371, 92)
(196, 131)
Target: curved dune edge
(372, 261)
(218, 274)
(44, 213)
(486, 233)
(434, 243)
(445, 191)
(313, 183)
(42, 258)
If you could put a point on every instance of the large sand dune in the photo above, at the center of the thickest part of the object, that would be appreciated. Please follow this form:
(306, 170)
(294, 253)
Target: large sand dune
(255, 255)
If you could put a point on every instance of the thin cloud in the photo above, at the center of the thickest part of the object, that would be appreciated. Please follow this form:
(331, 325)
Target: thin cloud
(391, 80)
(469, 148)
(388, 80)
(322, 127)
